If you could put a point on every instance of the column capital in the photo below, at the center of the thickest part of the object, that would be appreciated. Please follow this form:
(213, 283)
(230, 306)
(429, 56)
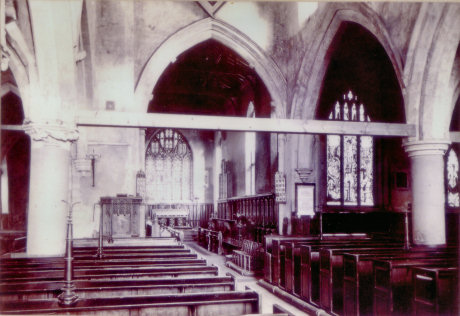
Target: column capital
(426, 147)
(56, 132)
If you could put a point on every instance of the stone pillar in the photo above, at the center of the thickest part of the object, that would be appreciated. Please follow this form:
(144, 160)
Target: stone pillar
(428, 206)
(49, 186)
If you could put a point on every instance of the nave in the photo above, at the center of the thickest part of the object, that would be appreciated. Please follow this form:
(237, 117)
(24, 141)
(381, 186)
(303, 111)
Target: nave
(310, 149)
(337, 274)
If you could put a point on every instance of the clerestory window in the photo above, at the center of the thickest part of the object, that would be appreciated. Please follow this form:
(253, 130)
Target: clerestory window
(350, 159)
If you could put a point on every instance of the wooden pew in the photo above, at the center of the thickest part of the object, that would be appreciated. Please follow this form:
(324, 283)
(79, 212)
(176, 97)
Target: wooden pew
(111, 247)
(435, 290)
(358, 276)
(274, 256)
(249, 258)
(112, 251)
(208, 239)
(179, 254)
(82, 264)
(205, 303)
(392, 282)
(310, 264)
(111, 273)
(331, 272)
(108, 288)
(288, 262)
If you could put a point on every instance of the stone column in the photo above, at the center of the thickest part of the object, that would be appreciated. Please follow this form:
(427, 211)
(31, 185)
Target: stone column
(49, 187)
(428, 194)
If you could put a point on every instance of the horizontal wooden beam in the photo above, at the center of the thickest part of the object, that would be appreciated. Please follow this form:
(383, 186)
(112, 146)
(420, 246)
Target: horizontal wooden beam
(455, 137)
(242, 124)
(19, 128)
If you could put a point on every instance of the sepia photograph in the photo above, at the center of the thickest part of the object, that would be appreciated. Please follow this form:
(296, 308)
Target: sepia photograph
(226, 158)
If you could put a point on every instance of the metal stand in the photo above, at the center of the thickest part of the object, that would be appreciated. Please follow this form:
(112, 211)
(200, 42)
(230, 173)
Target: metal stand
(406, 231)
(68, 296)
(100, 253)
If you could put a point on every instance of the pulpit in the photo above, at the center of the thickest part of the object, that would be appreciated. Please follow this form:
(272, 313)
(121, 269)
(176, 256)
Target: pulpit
(121, 216)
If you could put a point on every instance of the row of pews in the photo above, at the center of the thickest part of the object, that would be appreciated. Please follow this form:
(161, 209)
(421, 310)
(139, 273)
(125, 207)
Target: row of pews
(358, 275)
(147, 279)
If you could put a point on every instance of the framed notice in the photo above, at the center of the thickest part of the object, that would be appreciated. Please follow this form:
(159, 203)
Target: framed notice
(305, 199)
(280, 187)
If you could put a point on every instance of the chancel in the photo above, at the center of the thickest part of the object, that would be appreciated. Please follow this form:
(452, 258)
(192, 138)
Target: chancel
(229, 158)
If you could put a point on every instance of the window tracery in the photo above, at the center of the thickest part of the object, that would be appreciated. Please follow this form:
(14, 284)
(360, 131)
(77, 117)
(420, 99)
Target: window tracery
(350, 159)
(168, 168)
(452, 175)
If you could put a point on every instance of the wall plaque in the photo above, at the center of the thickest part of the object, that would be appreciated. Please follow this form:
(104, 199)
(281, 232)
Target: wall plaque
(280, 187)
(305, 199)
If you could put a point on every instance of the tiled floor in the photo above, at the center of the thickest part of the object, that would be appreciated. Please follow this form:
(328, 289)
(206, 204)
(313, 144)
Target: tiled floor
(267, 298)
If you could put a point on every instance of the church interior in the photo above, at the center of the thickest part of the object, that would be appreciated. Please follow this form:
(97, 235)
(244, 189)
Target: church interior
(229, 158)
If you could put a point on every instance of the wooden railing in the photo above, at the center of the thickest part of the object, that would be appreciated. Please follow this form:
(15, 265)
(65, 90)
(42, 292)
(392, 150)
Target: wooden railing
(198, 213)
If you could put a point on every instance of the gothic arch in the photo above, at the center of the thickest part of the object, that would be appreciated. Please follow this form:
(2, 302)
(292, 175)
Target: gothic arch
(21, 62)
(431, 89)
(316, 59)
(225, 34)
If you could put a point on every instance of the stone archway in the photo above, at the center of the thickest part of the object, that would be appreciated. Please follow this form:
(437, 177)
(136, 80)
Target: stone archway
(225, 34)
(316, 61)
(431, 89)
(21, 62)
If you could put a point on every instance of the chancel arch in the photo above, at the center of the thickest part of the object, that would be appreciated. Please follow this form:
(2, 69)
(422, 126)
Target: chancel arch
(228, 36)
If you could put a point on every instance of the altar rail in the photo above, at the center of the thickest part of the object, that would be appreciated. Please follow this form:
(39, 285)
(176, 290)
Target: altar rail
(199, 213)
(261, 209)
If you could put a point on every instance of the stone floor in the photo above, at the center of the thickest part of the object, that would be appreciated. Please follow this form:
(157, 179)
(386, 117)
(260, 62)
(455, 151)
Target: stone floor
(267, 298)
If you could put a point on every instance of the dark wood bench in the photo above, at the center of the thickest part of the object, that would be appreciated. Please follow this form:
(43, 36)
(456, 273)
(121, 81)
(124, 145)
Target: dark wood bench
(358, 276)
(142, 255)
(111, 247)
(435, 291)
(331, 272)
(208, 239)
(88, 264)
(111, 273)
(299, 274)
(275, 253)
(205, 303)
(249, 258)
(107, 288)
(392, 282)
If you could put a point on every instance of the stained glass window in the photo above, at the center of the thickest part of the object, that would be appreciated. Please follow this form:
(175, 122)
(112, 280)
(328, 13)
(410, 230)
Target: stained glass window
(452, 172)
(168, 168)
(350, 159)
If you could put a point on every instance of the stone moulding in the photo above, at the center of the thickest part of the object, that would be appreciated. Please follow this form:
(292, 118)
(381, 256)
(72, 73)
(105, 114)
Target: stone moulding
(49, 132)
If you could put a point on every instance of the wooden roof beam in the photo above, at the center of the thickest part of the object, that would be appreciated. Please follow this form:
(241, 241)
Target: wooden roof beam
(241, 124)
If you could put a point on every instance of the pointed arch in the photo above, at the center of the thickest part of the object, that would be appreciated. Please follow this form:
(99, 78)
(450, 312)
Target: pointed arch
(430, 96)
(22, 65)
(316, 60)
(225, 34)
